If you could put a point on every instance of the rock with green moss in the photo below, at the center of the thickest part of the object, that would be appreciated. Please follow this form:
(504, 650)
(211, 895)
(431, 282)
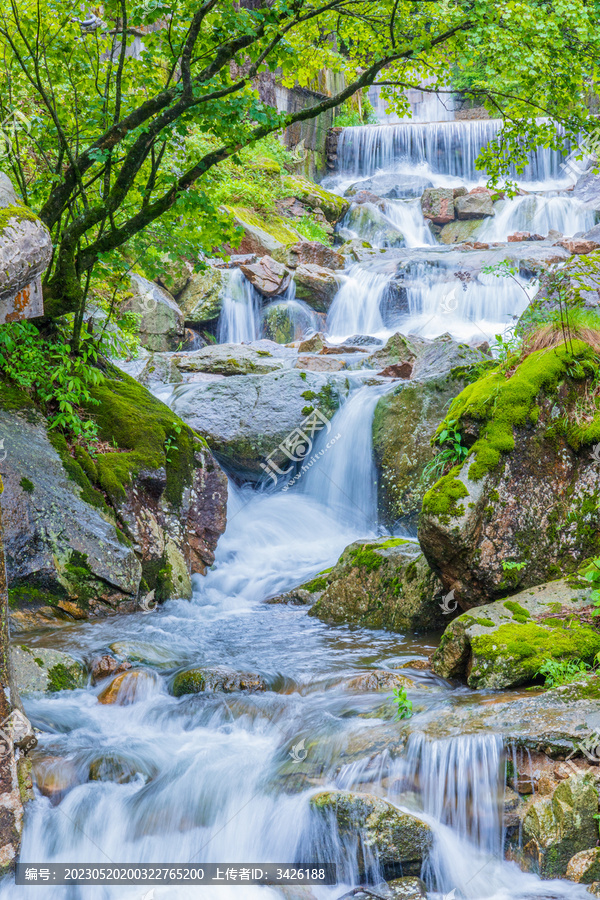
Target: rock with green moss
(161, 320)
(584, 867)
(557, 827)
(246, 418)
(425, 358)
(202, 298)
(162, 481)
(404, 423)
(261, 235)
(458, 232)
(227, 359)
(370, 223)
(226, 681)
(523, 507)
(503, 644)
(62, 541)
(398, 841)
(316, 285)
(42, 669)
(311, 252)
(314, 196)
(408, 888)
(381, 584)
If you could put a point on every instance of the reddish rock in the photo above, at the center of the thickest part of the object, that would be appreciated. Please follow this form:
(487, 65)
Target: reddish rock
(319, 364)
(518, 236)
(369, 197)
(125, 688)
(399, 370)
(437, 205)
(578, 245)
(106, 665)
(268, 276)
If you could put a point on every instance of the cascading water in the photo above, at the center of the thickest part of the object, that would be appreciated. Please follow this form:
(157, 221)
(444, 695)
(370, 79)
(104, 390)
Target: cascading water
(240, 314)
(536, 214)
(448, 148)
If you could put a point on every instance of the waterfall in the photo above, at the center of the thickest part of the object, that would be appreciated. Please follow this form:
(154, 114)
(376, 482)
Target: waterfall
(536, 214)
(447, 148)
(356, 308)
(240, 314)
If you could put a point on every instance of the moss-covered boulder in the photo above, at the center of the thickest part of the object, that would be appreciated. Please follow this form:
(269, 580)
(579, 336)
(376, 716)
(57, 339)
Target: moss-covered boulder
(161, 323)
(523, 507)
(202, 298)
(404, 423)
(397, 841)
(557, 827)
(42, 669)
(503, 644)
(316, 285)
(246, 418)
(458, 232)
(226, 681)
(86, 534)
(227, 359)
(381, 584)
(313, 195)
(260, 235)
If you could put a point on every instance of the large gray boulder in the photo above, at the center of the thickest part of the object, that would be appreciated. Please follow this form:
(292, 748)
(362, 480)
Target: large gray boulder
(202, 298)
(268, 276)
(367, 221)
(246, 418)
(42, 669)
(476, 205)
(227, 359)
(161, 320)
(312, 252)
(57, 543)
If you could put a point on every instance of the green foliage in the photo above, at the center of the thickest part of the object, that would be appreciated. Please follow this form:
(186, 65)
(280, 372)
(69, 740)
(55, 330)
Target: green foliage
(402, 703)
(557, 672)
(593, 577)
(55, 378)
(453, 452)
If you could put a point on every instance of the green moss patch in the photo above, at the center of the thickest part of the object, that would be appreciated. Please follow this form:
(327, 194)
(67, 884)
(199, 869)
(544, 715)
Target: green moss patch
(443, 499)
(27, 485)
(501, 403)
(528, 646)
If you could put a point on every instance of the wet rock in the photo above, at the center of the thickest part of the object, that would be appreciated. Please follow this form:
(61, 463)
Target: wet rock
(153, 369)
(476, 205)
(55, 776)
(297, 597)
(428, 358)
(474, 526)
(381, 584)
(176, 276)
(404, 423)
(198, 680)
(401, 370)
(399, 841)
(558, 827)
(312, 344)
(315, 285)
(579, 246)
(391, 187)
(407, 889)
(161, 320)
(369, 197)
(42, 669)
(278, 323)
(587, 191)
(584, 867)
(379, 680)
(104, 666)
(116, 769)
(368, 221)
(319, 364)
(355, 249)
(126, 688)
(268, 276)
(458, 232)
(309, 253)
(143, 653)
(202, 298)
(503, 644)
(246, 418)
(228, 359)
(437, 205)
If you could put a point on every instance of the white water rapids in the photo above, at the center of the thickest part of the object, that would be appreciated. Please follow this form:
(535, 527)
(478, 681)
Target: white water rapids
(209, 777)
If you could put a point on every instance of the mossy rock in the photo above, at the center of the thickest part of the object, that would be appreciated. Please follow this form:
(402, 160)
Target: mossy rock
(381, 584)
(503, 644)
(41, 669)
(198, 680)
(400, 842)
(333, 206)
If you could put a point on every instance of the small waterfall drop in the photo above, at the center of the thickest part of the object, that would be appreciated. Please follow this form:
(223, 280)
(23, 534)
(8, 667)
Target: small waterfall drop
(240, 314)
(356, 308)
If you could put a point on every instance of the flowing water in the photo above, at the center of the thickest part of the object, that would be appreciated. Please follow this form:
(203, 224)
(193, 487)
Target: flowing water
(227, 778)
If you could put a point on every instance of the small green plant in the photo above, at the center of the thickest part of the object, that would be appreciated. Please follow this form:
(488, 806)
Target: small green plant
(557, 672)
(510, 565)
(593, 576)
(170, 443)
(453, 451)
(402, 703)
